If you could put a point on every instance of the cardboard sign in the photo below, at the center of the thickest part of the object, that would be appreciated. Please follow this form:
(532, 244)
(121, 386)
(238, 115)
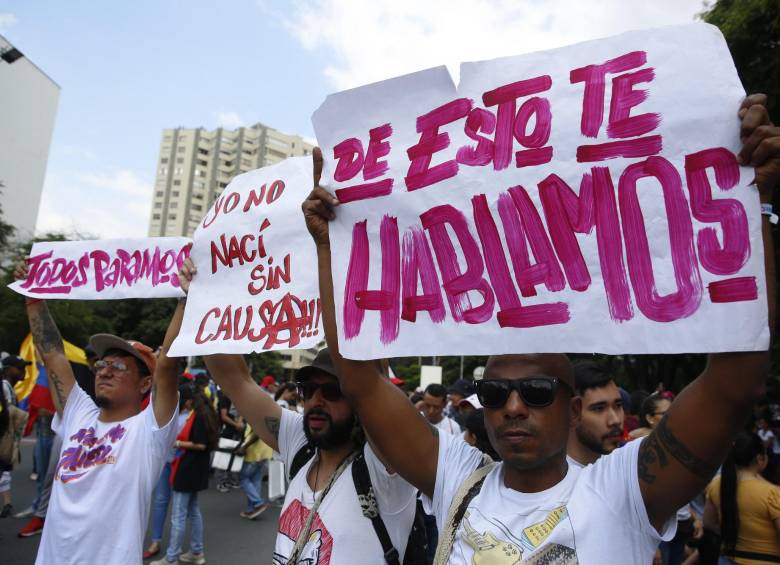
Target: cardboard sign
(256, 288)
(105, 269)
(584, 199)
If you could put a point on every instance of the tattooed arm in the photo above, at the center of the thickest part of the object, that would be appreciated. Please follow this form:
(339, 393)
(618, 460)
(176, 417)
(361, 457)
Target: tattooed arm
(47, 338)
(677, 460)
(405, 441)
(231, 373)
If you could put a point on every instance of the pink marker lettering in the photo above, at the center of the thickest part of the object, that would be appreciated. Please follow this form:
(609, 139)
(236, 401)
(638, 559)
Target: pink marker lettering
(732, 256)
(420, 173)
(478, 120)
(456, 283)
(418, 264)
(621, 123)
(683, 302)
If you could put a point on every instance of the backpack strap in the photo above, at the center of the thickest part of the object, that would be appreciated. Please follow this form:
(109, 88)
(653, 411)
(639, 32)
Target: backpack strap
(300, 458)
(460, 503)
(367, 499)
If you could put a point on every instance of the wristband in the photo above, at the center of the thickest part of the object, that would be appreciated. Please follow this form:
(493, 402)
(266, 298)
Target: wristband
(766, 210)
(183, 299)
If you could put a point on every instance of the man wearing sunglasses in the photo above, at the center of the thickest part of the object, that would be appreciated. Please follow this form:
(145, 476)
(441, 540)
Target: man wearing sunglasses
(322, 483)
(113, 449)
(534, 507)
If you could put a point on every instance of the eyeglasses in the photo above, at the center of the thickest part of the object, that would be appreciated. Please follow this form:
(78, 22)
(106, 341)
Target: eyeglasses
(536, 392)
(115, 366)
(330, 391)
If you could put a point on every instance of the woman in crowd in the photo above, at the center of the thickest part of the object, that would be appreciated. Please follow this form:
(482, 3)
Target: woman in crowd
(476, 434)
(12, 422)
(286, 396)
(189, 475)
(743, 507)
(162, 492)
(653, 409)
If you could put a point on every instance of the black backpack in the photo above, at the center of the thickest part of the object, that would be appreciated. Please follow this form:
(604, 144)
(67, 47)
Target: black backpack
(416, 546)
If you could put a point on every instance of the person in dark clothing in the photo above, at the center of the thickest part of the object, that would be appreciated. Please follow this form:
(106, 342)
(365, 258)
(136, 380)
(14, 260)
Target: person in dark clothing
(190, 475)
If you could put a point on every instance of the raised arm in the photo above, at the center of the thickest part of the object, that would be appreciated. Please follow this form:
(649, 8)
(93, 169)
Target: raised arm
(166, 374)
(232, 374)
(677, 460)
(49, 341)
(406, 442)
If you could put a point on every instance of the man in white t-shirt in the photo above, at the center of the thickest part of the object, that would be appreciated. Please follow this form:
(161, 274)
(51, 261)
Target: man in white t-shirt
(434, 402)
(339, 533)
(600, 427)
(534, 507)
(112, 450)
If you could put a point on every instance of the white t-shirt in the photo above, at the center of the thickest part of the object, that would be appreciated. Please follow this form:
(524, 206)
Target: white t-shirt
(594, 515)
(573, 462)
(448, 425)
(103, 485)
(340, 533)
(767, 434)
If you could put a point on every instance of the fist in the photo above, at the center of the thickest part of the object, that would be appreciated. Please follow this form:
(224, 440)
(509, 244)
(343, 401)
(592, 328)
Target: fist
(760, 143)
(318, 208)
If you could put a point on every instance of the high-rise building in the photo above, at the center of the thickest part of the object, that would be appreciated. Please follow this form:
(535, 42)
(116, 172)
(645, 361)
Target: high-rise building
(195, 166)
(28, 106)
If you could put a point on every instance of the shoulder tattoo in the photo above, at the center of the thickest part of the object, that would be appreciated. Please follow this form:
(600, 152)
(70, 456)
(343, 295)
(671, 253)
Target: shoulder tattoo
(659, 446)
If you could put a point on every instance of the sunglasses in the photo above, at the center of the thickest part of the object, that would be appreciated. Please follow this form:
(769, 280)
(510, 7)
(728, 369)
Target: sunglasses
(115, 366)
(536, 392)
(330, 391)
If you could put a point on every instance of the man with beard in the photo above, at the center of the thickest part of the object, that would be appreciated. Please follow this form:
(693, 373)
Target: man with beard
(600, 429)
(112, 450)
(534, 507)
(322, 522)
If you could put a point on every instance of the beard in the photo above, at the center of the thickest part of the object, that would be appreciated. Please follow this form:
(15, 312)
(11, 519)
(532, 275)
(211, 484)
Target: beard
(592, 442)
(103, 402)
(337, 434)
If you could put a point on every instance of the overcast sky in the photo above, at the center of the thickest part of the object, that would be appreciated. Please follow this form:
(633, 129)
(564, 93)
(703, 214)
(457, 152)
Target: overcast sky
(129, 69)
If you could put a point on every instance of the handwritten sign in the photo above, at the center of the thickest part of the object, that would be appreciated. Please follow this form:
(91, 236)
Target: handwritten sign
(105, 269)
(584, 199)
(256, 287)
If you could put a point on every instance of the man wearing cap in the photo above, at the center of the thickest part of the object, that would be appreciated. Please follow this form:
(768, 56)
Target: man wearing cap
(112, 450)
(323, 487)
(456, 392)
(13, 372)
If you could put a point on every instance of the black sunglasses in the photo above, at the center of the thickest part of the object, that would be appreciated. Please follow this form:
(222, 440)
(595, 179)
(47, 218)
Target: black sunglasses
(536, 392)
(330, 391)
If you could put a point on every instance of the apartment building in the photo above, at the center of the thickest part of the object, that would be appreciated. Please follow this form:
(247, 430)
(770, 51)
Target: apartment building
(195, 165)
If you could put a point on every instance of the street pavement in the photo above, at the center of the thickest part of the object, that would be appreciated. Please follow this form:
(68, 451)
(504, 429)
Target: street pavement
(229, 539)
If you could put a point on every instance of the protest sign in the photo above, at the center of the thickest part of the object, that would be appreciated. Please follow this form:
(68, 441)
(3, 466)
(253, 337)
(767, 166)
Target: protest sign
(105, 269)
(583, 199)
(256, 288)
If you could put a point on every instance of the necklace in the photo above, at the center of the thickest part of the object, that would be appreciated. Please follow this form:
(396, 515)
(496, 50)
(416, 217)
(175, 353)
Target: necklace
(317, 473)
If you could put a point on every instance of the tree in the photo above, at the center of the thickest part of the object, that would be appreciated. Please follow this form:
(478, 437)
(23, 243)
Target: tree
(752, 32)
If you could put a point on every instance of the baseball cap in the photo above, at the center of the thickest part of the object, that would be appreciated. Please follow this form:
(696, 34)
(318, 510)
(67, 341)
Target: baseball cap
(100, 343)
(267, 381)
(322, 363)
(473, 400)
(463, 387)
(14, 361)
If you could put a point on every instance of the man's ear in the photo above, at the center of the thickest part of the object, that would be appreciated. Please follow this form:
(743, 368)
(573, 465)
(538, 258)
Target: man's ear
(146, 385)
(576, 411)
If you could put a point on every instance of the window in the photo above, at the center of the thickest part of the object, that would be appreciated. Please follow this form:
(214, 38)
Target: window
(246, 162)
(177, 182)
(175, 193)
(172, 217)
(159, 194)
(164, 160)
(197, 207)
(179, 160)
(173, 205)
(202, 151)
(163, 170)
(199, 184)
(203, 163)
(200, 173)
(156, 217)
(167, 137)
(181, 149)
(178, 171)
(228, 163)
(222, 184)
(182, 137)
(198, 195)
(158, 204)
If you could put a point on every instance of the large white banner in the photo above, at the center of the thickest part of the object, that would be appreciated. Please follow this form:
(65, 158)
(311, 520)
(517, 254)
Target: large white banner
(584, 199)
(256, 288)
(105, 269)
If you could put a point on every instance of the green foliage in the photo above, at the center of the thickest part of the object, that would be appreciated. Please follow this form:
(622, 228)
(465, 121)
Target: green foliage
(752, 31)
(268, 363)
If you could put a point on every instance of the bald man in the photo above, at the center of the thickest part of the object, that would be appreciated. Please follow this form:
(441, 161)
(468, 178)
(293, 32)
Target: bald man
(534, 507)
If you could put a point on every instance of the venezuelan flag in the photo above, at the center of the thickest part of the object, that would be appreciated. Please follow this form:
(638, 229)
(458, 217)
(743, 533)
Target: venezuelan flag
(33, 391)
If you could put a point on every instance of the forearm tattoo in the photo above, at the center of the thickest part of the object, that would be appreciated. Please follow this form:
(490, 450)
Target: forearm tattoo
(59, 393)
(44, 331)
(656, 449)
(273, 425)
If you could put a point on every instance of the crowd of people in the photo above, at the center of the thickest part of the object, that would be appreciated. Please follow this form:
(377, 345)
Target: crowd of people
(542, 460)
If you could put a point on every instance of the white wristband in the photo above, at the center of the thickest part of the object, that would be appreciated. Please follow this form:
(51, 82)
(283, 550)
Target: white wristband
(766, 210)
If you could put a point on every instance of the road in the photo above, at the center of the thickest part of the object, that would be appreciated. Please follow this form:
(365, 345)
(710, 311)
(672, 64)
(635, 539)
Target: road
(229, 539)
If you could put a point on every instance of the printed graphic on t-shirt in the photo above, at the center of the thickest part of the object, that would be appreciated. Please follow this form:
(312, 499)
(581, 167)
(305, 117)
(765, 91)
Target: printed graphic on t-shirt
(89, 452)
(489, 540)
(319, 546)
